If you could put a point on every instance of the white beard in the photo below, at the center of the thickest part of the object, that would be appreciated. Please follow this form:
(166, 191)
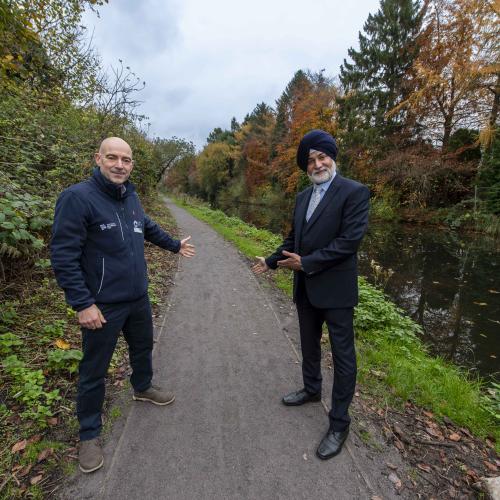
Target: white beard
(321, 177)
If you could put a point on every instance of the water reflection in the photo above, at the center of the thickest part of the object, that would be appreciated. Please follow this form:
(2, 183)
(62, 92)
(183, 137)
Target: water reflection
(448, 283)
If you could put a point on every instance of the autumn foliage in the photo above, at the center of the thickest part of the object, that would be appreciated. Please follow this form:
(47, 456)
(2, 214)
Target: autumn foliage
(414, 111)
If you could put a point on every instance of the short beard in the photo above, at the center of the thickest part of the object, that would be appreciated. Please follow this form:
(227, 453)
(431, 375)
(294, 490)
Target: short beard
(322, 177)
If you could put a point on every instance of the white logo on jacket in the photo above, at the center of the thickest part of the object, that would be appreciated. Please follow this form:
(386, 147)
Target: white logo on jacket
(109, 225)
(137, 226)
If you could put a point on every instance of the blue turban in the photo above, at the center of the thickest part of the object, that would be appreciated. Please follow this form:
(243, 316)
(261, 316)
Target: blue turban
(318, 140)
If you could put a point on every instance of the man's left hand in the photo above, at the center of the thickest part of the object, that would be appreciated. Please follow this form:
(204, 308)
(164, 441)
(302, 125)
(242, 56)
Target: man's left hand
(187, 250)
(293, 262)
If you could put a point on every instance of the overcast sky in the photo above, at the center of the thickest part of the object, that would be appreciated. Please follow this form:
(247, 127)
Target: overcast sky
(207, 61)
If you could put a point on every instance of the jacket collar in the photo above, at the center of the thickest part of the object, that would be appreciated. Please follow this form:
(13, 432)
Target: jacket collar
(116, 191)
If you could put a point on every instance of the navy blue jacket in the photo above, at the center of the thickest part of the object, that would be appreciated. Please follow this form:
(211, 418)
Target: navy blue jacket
(328, 243)
(97, 246)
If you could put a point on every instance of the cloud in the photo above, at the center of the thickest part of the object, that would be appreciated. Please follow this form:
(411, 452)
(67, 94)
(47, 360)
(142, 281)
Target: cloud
(205, 62)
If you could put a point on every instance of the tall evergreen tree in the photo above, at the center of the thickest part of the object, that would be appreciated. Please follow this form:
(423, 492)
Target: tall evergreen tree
(296, 88)
(374, 83)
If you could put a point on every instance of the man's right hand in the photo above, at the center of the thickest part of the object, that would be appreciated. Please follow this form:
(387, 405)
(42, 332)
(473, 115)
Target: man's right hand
(260, 266)
(91, 318)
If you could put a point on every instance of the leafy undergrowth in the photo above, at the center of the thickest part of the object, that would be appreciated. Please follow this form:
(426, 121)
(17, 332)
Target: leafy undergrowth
(387, 342)
(39, 351)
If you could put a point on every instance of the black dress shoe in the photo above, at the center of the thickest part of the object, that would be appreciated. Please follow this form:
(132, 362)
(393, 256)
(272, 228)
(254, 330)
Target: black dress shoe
(331, 444)
(300, 397)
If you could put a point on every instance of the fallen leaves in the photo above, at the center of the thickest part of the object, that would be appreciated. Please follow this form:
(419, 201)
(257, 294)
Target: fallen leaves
(36, 479)
(445, 457)
(433, 430)
(490, 466)
(19, 446)
(425, 467)
(44, 454)
(24, 471)
(473, 475)
(62, 344)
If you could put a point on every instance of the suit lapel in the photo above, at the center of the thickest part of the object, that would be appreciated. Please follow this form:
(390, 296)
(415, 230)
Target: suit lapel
(300, 215)
(327, 198)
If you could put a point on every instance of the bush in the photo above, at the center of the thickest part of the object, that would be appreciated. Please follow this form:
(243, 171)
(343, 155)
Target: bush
(64, 360)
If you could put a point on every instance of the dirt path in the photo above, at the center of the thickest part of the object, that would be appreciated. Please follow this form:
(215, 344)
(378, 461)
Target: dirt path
(227, 348)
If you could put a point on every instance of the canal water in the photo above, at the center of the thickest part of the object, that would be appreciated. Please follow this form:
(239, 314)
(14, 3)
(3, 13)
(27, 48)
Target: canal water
(447, 282)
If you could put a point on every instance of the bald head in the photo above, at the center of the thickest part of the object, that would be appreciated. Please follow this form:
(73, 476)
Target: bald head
(115, 160)
(114, 143)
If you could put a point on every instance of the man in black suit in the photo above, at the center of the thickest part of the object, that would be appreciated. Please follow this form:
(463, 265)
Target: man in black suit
(330, 219)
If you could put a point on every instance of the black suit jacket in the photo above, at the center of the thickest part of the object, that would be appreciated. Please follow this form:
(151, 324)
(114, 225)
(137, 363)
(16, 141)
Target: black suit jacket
(328, 243)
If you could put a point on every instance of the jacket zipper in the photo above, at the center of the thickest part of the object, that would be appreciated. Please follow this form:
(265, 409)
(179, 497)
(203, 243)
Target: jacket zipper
(102, 278)
(120, 222)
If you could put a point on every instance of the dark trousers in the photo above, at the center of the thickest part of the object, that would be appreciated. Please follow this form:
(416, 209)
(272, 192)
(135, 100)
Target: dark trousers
(135, 321)
(341, 332)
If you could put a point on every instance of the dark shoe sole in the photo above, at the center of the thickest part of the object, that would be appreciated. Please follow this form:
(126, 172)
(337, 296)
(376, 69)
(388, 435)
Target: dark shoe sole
(136, 398)
(87, 471)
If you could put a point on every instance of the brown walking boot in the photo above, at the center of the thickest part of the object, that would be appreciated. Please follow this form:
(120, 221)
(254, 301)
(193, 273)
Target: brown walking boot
(90, 455)
(155, 395)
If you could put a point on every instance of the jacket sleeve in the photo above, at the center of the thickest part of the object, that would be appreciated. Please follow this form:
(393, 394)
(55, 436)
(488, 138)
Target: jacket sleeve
(156, 235)
(353, 228)
(69, 233)
(288, 245)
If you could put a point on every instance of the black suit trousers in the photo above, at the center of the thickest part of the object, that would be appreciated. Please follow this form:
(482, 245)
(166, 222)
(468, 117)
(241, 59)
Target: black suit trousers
(341, 332)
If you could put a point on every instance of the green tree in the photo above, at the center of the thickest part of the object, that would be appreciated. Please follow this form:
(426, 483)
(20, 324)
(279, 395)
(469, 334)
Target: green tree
(374, 82)
(254, 141)
(169, 152)
(219, 135)
(214, 169)
(55, 106)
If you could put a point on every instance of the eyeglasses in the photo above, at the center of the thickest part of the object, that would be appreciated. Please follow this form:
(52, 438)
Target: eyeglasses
(115, 159)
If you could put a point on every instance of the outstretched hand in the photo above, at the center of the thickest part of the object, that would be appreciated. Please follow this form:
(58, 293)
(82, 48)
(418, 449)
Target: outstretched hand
(260, 266)
(187, 250)
(293, 262)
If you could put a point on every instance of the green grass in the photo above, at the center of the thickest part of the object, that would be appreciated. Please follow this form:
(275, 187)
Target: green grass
(112, 414)
(387, 341)
(32, 451)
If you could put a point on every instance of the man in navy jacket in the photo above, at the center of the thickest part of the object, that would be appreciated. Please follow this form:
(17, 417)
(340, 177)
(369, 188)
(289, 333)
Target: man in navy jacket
(97, 253)
(329, 222)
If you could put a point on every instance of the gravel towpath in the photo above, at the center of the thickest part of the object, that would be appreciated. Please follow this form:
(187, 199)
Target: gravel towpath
(228, 350)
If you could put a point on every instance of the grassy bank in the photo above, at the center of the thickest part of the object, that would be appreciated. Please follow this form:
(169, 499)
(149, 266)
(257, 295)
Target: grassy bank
(39, 354)
(392, 359)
